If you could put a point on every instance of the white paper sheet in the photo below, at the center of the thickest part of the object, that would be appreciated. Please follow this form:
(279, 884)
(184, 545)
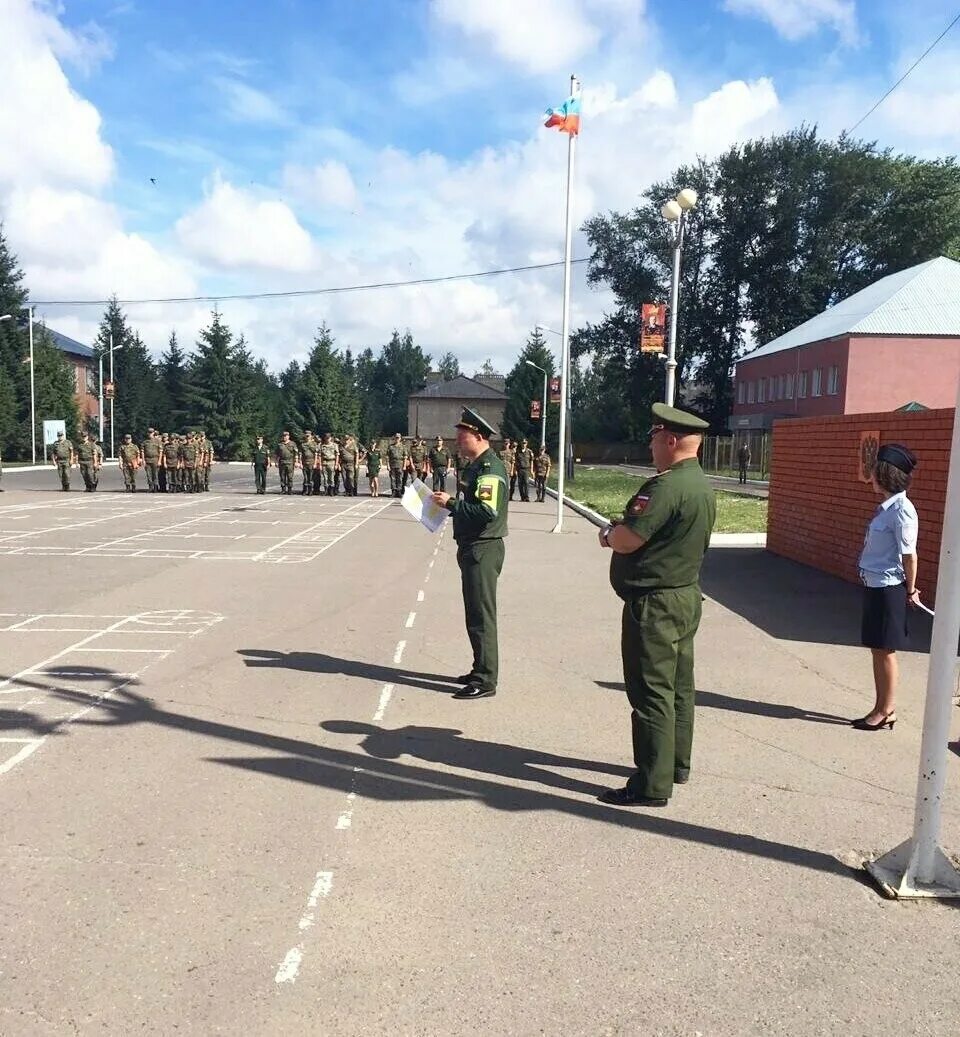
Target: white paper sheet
(416, 500)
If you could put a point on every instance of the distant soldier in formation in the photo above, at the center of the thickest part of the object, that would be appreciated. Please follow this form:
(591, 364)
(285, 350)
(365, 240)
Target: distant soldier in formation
(170, 463)
(151, 459)
(261, 462)
(374, 460)
(508, 454)
(743, 461)
(288, 457)
(308, 458)
(207, 447)
(90, 458)
(439, 458)
(348, 464)
(130, 460)
(162, 468)
(63, 456)
(188, 458)
(397, 461)
(541, 471)
(524, 466)
(418, 458)
(330, 462)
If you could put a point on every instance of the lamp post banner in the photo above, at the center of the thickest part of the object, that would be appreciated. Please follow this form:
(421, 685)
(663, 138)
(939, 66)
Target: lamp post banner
(534, 410)
(653, 327)
(556, 396)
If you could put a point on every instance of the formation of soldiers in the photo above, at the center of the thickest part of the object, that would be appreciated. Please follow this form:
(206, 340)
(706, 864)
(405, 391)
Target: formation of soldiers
(520, 463)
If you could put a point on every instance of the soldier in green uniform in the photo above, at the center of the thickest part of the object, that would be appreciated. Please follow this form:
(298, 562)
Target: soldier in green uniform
(524, 463)
(204, 462)
(170, 461)
(479, 526)
(541, 471)
(439, 458)
(658, 548)
(188, 463)
(151, 459)
(330, 462)
(418, 458)
(288, 457)
(397, 462)
(308, 457)
(161, 467)
(129, 463)
(508, 455)
(348, 465)
(63, 456)
(86, 458)
(374, 460)
(261, 462)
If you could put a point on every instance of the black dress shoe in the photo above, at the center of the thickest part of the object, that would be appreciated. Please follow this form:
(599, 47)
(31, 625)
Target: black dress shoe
(466, 678)
(625, 798)
(475, 691)
(681, 777)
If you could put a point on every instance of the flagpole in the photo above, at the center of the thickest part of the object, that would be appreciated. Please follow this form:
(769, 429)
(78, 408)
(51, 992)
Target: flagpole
(565, 326)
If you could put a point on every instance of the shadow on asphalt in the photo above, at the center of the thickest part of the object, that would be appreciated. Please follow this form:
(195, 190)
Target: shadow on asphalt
(789, 601)
(317, 662)
(775, 710)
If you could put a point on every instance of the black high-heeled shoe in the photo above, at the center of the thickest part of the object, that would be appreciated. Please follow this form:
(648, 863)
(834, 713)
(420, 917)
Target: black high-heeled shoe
(861, 723)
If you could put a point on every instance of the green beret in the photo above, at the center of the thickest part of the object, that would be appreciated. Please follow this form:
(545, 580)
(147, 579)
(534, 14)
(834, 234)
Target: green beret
(471, 420)
(677, 420)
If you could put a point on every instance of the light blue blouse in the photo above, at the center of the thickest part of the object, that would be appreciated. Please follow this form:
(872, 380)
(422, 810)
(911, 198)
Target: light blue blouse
(892, 533)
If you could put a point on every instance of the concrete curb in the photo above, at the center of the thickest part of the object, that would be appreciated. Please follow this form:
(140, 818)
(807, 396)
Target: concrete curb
(716, 539)
(28, 468)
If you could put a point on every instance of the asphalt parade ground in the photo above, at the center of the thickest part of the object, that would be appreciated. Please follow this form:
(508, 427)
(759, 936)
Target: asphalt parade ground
(238, 798)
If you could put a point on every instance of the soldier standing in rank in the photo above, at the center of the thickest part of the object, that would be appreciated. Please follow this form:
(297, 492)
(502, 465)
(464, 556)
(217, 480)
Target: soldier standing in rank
(188, 463)
(330, 462)
(658, 548)
(86, 458)
(348, 464)
(170, 462)
(261, 462)
(439, 458)
(151, 459)
(161, 467)
(524, 464)
(374, 461)
(418, 457)
(63, 457)
(130, 460)
(508, 454)
(308, 457)
(397, 462)
(479, 526)
(288, 457)
(207, 449)
(541, 471)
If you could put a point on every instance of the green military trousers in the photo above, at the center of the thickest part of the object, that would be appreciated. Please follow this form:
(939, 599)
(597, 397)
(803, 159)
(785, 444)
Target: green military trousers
(656, 643)
(480, 565)
(63, 470)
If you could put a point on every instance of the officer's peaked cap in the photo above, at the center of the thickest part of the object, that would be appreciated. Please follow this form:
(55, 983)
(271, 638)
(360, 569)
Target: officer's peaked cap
(678, 421)
(471, 420)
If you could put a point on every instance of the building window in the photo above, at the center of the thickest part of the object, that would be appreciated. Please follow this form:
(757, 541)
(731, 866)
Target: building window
(817, 384)
(762, 391)
(781, 388)
(789, 387)
(802, 385)
(741, 392)
(91, 381)
(751, 392)
(833, 381)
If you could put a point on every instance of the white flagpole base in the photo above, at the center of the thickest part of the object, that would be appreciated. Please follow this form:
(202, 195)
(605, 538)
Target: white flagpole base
(894, 873)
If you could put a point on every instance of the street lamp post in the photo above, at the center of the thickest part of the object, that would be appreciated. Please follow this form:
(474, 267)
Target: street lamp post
(565, 449)
(33, 398)
(113, 453)
(543, 408)
(675, 213)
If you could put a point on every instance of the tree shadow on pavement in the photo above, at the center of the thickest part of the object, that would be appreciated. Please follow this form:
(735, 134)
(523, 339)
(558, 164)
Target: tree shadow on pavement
(317, 662)
(777, 710)
(792, 602)
(389, 780)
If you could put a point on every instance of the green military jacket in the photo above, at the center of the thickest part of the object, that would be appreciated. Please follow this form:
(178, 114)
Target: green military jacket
(62, 451)
(373, 462)
(329, 452)
(418, 455)
(482, 513)
(674, 512)
(205, 452)
(261, 456)
(308, 452)
(397, 455)
(171, 454)
(524, 459)
(541, 464)
(348, 455)
(129, 454)
(508, 455)
(87, 453)
(188, 454)
(439, 458)
(151, 450)
(287, 453)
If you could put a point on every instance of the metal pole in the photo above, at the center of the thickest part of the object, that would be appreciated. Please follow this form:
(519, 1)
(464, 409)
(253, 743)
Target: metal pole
(918, 867)
(113, 454)
(33, 398)
(543, 414)
(100, 410)
(674, 299)
(565, 326)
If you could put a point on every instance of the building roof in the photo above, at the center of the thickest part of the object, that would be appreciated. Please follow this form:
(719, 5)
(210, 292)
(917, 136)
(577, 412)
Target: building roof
(921, 300)
(912, 407)
(459, 388)
(69, 345)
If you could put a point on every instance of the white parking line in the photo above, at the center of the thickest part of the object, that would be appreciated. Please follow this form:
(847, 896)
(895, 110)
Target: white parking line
(290, 966)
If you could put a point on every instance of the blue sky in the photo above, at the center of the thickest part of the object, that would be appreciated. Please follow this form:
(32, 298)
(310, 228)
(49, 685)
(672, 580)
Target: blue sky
(308, 144)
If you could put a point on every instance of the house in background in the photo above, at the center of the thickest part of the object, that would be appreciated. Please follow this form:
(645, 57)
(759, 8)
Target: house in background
(436, 408)
(895, 341)
(81, 359)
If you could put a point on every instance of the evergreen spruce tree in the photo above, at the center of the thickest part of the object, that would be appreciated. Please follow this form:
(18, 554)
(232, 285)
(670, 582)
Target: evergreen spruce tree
(14, 346)
(54, 386)
(525, 384)
(174, 379)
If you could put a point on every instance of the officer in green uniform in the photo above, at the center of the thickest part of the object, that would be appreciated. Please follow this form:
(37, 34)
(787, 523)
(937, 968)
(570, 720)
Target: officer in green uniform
(330, 462)
(397, 462)
(63, 456)
(508, 455)
(308, 457)
(439, 458)
(288, 457)
(658, 548)
(171, 462)
(541, 471)
(129, 463)
(348, 465)
(418, 457)
(86, 458)
(374, 460)
(151, 459)
(261, 462)
(524, 463)
(479, 526)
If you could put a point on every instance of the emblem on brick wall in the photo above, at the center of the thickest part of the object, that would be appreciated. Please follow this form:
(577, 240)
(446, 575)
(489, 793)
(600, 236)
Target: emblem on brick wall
(867, 457)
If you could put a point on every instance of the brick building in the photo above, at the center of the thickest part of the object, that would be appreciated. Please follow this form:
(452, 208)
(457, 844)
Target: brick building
(896, 341)
(436, 408)
(80, 358)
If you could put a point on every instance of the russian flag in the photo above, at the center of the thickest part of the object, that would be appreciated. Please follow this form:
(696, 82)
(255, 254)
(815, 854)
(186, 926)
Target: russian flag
(566, 118)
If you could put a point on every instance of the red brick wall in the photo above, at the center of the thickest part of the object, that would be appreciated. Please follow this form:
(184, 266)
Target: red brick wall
(819, 509)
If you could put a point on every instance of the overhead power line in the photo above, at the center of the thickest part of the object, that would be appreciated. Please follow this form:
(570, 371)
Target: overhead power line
(310, 291)
(863, 118)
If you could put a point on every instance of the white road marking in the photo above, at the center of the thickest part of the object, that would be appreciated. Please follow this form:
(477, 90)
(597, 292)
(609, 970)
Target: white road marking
(346, 818)
(290, 966)
(28, 745)
(384, 702)
(153, 532)
(430, 566)
(419, 595)
(399, 652)
(411, 619)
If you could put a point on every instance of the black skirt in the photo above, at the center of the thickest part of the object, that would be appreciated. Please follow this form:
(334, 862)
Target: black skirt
(885, 624)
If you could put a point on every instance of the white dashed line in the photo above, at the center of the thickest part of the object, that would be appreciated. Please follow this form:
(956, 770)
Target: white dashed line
(399, 652)
(411, 619)
(384, 702)
(290, 966)
(419, 595)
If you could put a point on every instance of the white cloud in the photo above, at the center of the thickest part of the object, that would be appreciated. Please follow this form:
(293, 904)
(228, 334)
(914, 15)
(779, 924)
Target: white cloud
(795, 19)
(245, 103)
(322, 187)
(233, 228)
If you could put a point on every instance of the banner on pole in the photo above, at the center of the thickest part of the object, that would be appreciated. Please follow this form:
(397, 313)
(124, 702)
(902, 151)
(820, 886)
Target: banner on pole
(555, 394)
(534, 410)
(108, 390)
(653, 327)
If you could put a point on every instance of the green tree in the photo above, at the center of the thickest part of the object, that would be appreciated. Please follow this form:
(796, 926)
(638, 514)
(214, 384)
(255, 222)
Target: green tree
(326, 396)
(401, 370)
(54, 385)
(525, 384)
(175, 381)
(448, 367)
(14, 346)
